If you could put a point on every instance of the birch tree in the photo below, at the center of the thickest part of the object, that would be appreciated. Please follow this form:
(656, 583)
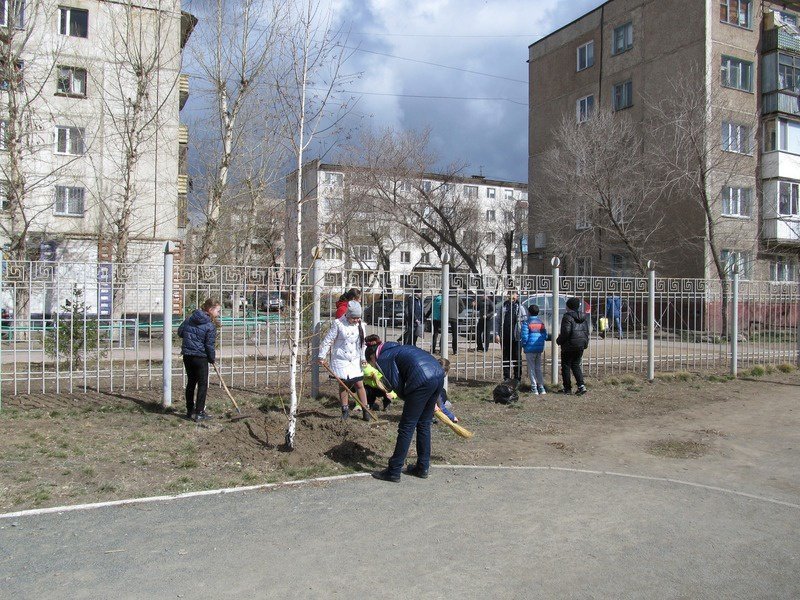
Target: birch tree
(313, 56)
(242, 37)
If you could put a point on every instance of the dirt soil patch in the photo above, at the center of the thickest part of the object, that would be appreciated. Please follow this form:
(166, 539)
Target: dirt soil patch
(69, 449)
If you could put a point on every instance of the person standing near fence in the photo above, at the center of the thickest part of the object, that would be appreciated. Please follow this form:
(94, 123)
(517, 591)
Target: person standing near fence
(573, 339)
(418, 379)
(346, 342)
(353, 294)
(453, 309)
(532, 338)
(199, 334)
(435, 313)
(614, 314)
(508, 330)
(412, 315)
(485, 305)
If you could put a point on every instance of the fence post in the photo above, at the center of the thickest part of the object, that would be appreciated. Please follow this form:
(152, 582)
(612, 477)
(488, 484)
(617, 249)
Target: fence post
(651, 320)
(734, 325)
(555, 325)
(446, 307)
(316, 314)
(166, 352)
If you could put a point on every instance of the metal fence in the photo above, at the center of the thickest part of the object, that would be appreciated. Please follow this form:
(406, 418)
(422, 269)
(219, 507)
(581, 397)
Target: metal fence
(70, 327)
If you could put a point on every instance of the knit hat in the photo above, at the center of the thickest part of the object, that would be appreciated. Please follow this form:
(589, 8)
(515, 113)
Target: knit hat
(573, 303)
(353, 309)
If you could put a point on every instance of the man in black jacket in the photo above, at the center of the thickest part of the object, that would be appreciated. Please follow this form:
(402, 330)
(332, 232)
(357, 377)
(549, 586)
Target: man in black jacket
(412, 315)
(507, 334)
(573, 339)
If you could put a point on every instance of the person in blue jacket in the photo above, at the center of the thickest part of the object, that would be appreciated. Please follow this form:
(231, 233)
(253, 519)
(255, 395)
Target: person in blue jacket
(533, 335)
(614, 313)
(199, 333)
(418, 379)
(435, 313)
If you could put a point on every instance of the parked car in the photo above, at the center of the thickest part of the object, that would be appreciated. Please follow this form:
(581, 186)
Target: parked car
(384, 313)
(267, 301)
(545, 304)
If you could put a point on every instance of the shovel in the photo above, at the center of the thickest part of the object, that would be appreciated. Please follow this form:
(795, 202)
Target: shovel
(239, 416)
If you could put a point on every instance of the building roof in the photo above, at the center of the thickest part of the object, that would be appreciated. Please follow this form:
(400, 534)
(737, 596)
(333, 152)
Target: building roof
(583, 16)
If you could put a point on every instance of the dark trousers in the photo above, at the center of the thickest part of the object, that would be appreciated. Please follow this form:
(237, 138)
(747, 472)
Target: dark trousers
(436, 327)
(483, 334)
(196, 375)
(454, 334)
(410, 334)
(417, 416)
(511, 358)
(571, 362)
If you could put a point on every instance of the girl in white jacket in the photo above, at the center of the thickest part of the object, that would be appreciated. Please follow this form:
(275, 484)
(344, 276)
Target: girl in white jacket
(345, 341)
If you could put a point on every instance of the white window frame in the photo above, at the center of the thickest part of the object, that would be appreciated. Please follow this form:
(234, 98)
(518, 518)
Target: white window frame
(3, 134)
(743, 259)
(363, 253)
(69, 74)
(333, 179)
(491, 193)
(583, 266)
(736, 138)
(737, 202)
(618, 210)
(783, 270)
(405, 257)
(622, 95)
(622, 38)
(490, 260)
(65, 21)
(508, 194)
(491, 237)
(791, 191)
(584, 56)
(19, 22)
(744, 20)
(491, 216)
(75, 144)
(331, 253)
(5, 204)
(736, 73)
(425, 258)
(64, 200)
(584, 107)
(583, 218)
(471, 191)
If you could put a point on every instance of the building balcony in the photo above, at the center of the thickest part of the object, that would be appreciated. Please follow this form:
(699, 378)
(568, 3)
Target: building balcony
(775, 165)
(782, 230)
(183, 90)
(780, 102)
(780, 38)
(183, 134)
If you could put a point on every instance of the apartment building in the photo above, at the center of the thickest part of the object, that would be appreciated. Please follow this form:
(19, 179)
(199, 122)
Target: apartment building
(745, 55)
(97, 169)
(352, 234)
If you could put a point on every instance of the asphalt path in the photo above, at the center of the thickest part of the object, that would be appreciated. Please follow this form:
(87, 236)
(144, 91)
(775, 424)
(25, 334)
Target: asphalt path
(462, 533)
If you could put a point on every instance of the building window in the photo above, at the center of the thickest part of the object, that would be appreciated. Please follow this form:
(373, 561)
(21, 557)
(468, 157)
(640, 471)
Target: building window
(72, 81)
(508, 194)
(583, 218)
(618, 210)
(490, 260)
(471, 191)
(583, 266)
(730, 258)
(737, 74)
(405, 257)
(788, 72)
(735, 138)
(69, 140)
(332, 228)
(736, 201)
(364, 253)
(735, 12)
(623, 39)
(585, 56)
(3, 134)
(425, 258)
(491, 237)
(7, 18)
(69, 201)
(622, 95)
(782, 269)
(427, 186)
(788, 193)
(490, 214)
(333, 178)
(183, 210)
(73, 22)
(19, 66)
(584, 108)
(619, 266)
(491, 193)
(331, 253)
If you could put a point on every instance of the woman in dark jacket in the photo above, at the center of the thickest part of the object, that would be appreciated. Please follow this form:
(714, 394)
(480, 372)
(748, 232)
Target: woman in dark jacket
(418, 379)
(573, 339)
(199, 333)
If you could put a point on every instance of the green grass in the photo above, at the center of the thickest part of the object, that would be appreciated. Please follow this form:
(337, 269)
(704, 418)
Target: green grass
(758, 371)
(785, 368)
(188, 463)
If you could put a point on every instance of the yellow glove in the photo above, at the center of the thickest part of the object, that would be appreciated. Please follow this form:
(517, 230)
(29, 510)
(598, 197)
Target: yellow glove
(392, 395)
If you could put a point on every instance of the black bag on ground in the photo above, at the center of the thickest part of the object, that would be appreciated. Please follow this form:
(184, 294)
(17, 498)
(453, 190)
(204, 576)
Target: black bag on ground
(506, 392)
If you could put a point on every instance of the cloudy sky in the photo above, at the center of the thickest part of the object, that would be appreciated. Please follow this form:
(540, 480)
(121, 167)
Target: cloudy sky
(487, 126)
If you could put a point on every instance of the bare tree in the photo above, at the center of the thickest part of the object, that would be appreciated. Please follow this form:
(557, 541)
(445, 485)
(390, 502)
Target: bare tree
(695, 162)
(242, 38)
(312, 58)
(510, 224)
(602, 196)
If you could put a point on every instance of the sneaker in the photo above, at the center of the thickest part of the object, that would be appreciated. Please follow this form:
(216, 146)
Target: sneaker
(581, 390)
(566, 392)
(345, 413)
(366, 416)
(386, 476)
(202, 416)
(534, 391)
(415, 471)
(542, 391)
